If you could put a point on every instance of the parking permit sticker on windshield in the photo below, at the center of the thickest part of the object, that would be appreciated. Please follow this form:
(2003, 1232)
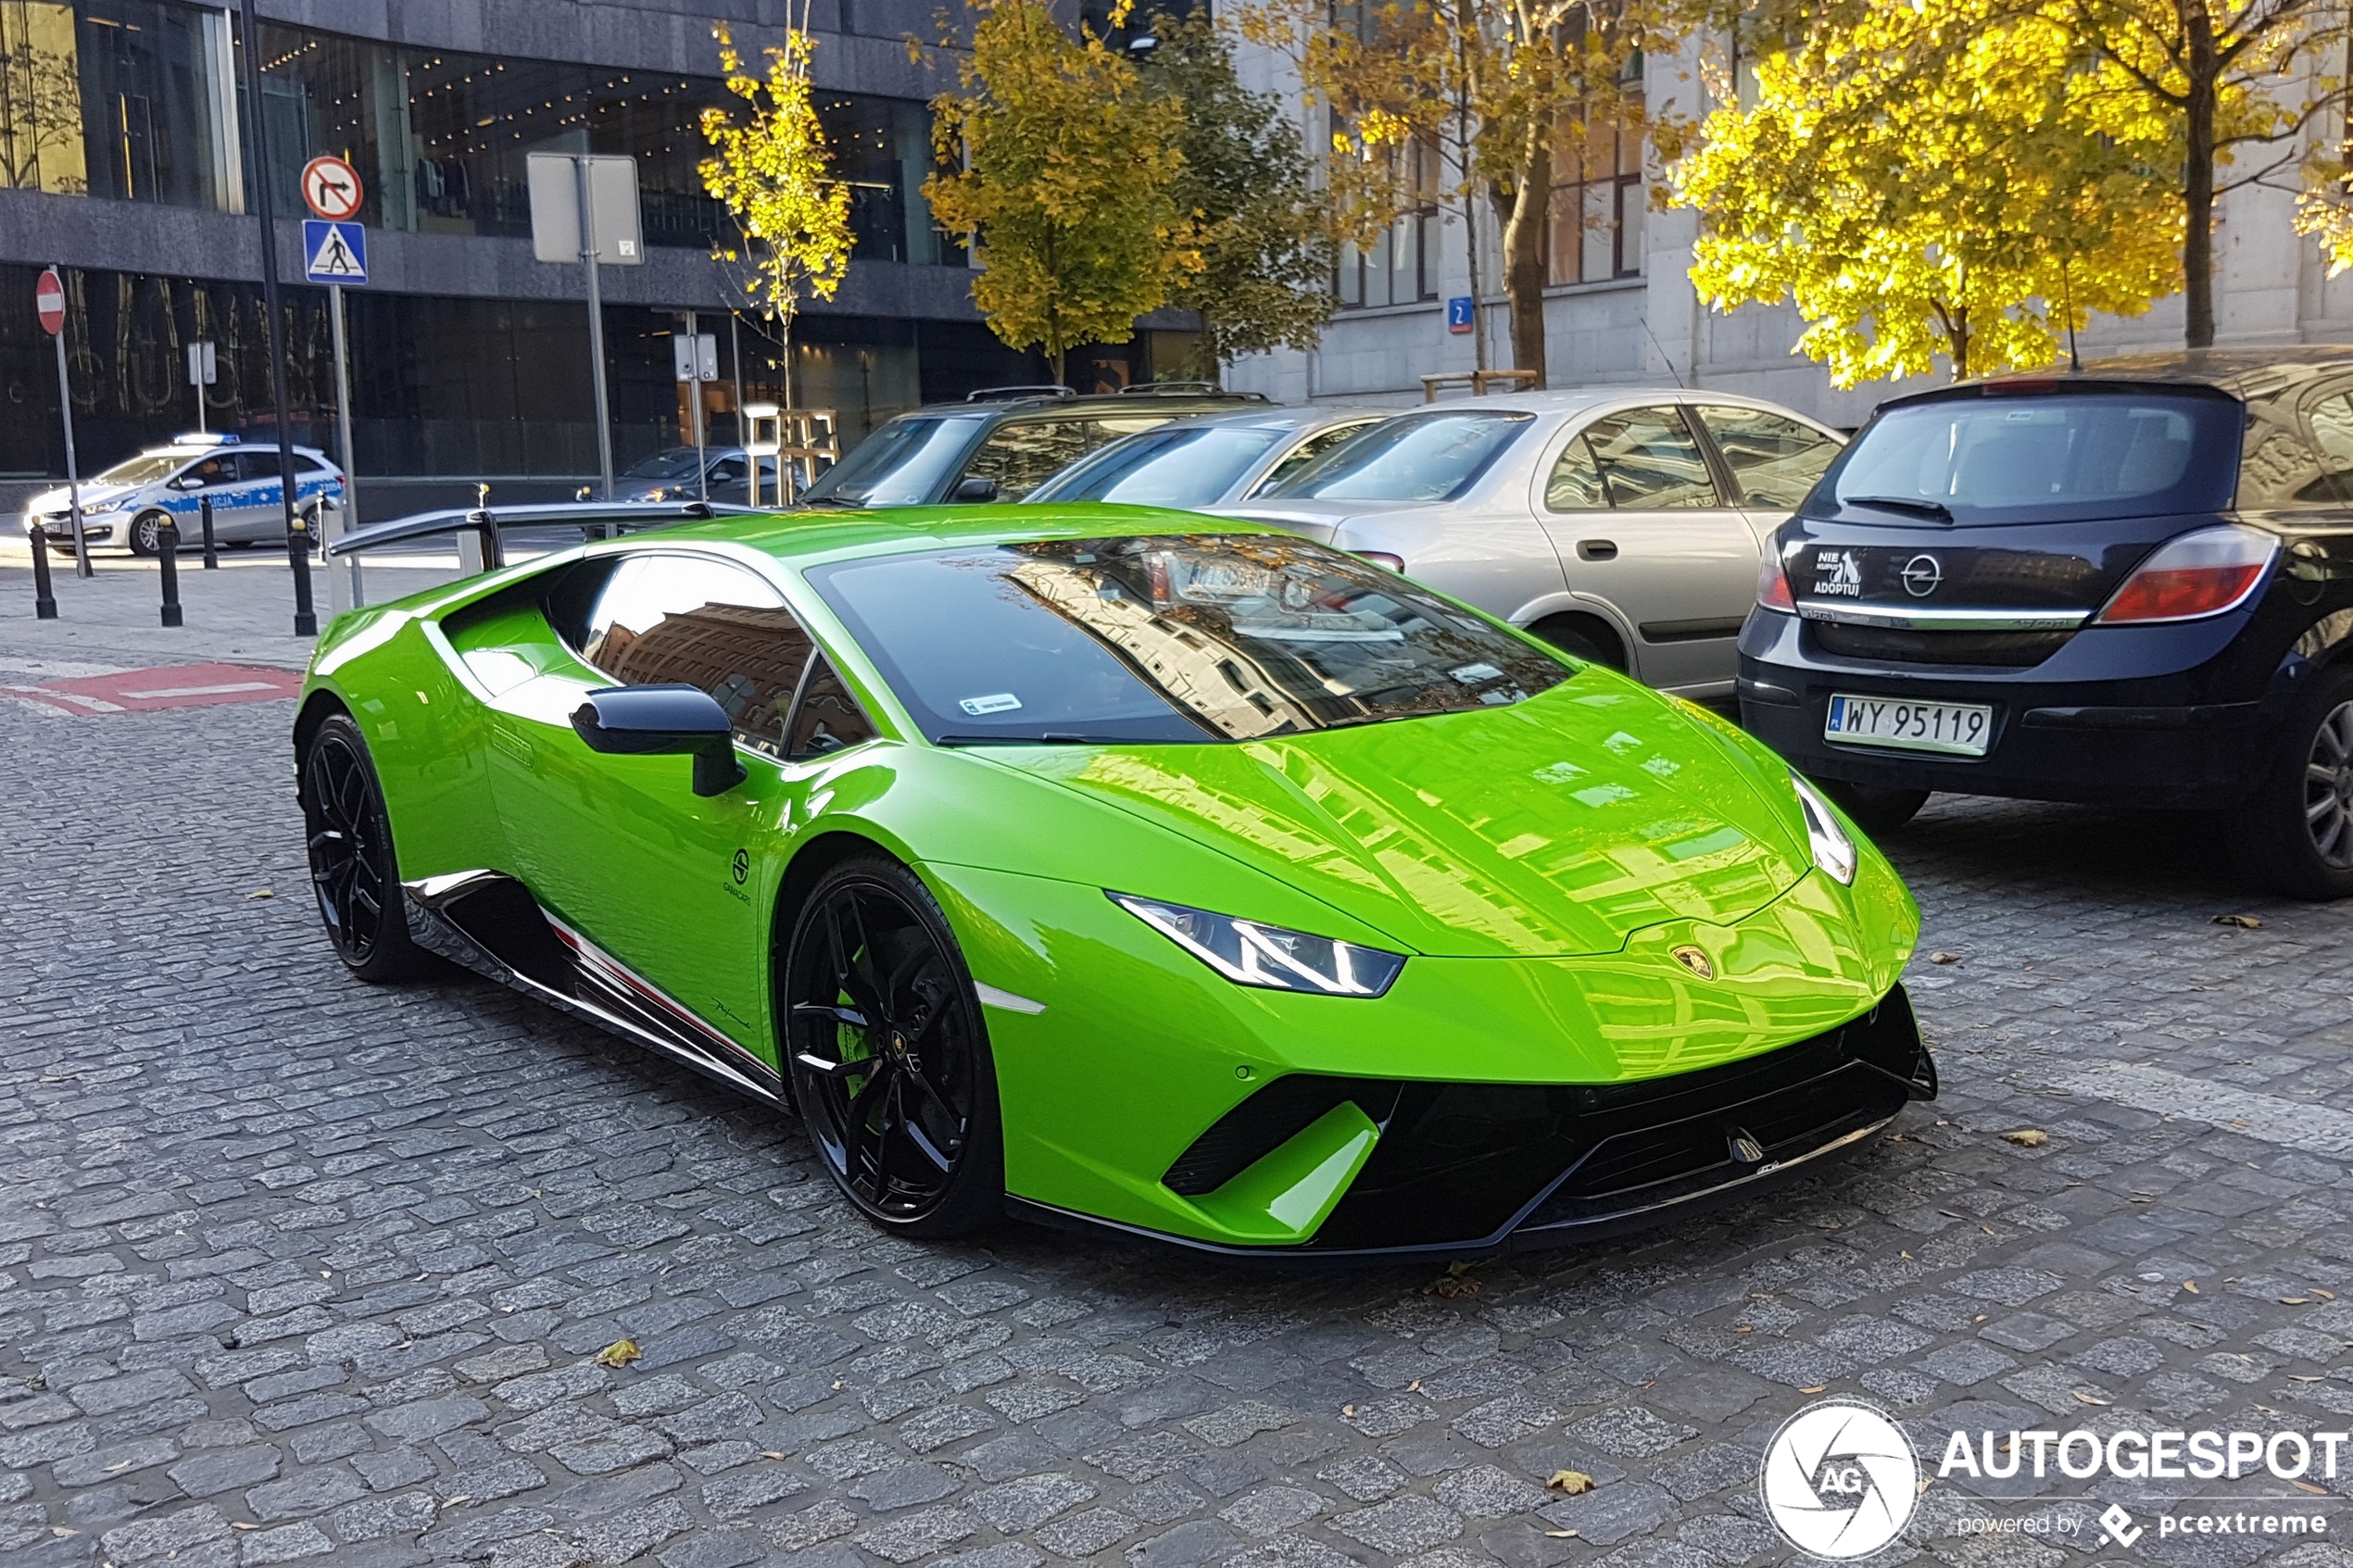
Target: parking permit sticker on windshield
(1001, 702)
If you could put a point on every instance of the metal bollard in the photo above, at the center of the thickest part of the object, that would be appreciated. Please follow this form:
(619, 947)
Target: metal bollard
(44, 600)
(204, 509)
(168, 557)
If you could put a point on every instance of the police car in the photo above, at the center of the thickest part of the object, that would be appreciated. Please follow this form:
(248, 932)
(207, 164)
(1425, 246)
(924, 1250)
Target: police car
(128, 503)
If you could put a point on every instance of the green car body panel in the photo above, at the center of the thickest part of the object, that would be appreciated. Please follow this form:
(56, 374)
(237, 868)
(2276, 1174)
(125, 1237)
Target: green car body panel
(1539, 864)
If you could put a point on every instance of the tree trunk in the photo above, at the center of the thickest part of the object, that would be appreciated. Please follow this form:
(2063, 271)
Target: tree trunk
(1523, 252)
(2197, 177)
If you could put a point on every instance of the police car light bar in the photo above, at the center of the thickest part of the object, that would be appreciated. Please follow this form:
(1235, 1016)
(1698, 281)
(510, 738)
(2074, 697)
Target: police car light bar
(207, 438)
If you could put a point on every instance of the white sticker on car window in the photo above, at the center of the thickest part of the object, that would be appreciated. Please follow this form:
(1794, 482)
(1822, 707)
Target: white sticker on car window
(999, 702)
(1472, 674)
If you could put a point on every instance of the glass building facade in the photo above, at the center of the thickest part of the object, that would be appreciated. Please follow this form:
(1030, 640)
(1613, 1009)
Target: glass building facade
(142, 102)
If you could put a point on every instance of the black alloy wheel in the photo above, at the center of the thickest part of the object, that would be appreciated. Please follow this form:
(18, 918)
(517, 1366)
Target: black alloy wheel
(146, 534)
(352, 870)
(888, 1060)
(2296, 831)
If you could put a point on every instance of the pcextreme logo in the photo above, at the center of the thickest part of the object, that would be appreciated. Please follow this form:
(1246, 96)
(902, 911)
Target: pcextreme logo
(1839, 1480)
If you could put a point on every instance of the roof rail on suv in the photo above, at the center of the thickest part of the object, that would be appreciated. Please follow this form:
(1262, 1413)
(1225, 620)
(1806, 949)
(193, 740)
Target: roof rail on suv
(1187, 389)
(1007, 394)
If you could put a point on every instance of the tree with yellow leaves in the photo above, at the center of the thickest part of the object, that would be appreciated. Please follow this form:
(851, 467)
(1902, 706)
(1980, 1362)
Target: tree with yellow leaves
(1059, 169)
(1499, 92)
(775, 174)
(1926, 178)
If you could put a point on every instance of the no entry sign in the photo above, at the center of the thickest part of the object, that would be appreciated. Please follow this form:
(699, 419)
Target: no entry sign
(330, 187)
(49, 300)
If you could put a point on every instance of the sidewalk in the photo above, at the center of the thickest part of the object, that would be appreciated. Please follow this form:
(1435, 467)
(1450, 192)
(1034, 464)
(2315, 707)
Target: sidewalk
(242, 613)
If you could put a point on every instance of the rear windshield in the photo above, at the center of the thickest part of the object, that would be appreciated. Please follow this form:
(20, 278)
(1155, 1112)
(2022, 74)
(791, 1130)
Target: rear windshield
(1414, 458)
(1173, 639)
(903, 464)
(2035, 458)
(1176, 466)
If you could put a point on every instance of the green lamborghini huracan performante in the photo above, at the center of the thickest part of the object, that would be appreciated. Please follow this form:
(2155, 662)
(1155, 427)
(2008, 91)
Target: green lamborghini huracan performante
(1119, 867)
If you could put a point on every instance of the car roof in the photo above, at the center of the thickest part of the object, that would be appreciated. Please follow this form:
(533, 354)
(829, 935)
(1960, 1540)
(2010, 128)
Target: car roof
(1571, 401)
(802, 539)
(1074, 405)
(2242, 372)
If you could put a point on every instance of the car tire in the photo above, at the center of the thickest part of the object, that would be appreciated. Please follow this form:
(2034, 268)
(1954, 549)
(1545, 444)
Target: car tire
(1583, 637)
(873, 975)
(1875, 810)
(144, 535)
(353, 872)
(2295, 835)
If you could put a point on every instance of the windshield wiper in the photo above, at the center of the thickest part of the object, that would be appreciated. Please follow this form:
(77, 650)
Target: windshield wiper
(830, 501)
(1050, 738)
(1936, 510)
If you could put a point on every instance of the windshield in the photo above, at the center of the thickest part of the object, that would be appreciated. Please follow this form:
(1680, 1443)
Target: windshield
(902, 464)
(1178, 638)
(677, 462)
(1174, 465)
(1417, 458)
(145, 468)
(2038, 458)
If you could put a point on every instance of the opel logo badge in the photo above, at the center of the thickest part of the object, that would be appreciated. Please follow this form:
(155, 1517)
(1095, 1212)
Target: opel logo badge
(1697, 961)
(1921, 575)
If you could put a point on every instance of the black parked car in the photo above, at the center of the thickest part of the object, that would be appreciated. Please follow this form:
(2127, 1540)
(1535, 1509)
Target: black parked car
(1000, 443)
(2130, 586)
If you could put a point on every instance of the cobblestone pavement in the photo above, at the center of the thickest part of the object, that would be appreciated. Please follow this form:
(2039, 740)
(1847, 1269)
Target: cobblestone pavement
(293, 1267)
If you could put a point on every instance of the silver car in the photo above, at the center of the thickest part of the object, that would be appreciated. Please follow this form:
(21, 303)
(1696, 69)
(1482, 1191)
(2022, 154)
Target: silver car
(1210, 461)
(1623, 525)
(128, 503)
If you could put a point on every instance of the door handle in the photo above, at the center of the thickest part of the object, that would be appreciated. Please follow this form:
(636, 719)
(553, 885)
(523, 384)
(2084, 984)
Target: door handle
(1596, 549)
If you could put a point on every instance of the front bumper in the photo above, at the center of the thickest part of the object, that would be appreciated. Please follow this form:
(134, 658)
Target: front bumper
(94, 530)
(2188, 740)
(1471, 1168)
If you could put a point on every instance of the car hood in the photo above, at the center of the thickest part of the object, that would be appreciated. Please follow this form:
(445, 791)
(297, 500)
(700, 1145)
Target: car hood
(57, 500)
(1553, 827)
(1317, 519)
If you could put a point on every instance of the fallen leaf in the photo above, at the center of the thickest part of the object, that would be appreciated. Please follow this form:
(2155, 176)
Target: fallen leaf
(2322, 1294)
(2027, 1137)
(1744, 1328)
(1455, 1281)
(2190, 1286)
(1944, 957)
(766, 1453)
(1815, 1389)
(620, 1353)
(2296, 1300)
(261, 893)
(2091, 1399)
(1987, 1229)
(1576, 1482)
(120, 1464)
(2308, 1487)
(1347, 1410)
(1561, 1534)
(461, 1497)
(1926, 1482)
(241, 1524)
(1979, 1319)
(1415, 1387)
(2306, 1377)
(2243, 922)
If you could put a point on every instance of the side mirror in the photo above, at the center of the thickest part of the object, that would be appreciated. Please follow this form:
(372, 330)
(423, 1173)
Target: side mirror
(188, 481)
(977, 488)
(660, 720)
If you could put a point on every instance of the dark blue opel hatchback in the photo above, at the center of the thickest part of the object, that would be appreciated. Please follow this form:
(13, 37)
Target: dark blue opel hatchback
(2130, 586)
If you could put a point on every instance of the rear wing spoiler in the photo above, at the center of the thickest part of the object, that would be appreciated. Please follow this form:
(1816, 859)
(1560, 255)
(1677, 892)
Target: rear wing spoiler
(605, 518)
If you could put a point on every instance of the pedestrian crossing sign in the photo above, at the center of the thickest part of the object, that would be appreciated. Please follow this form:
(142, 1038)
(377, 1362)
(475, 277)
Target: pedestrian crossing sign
(333, 252)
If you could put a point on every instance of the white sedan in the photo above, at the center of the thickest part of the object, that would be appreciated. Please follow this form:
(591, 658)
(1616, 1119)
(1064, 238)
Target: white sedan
(1624, 525)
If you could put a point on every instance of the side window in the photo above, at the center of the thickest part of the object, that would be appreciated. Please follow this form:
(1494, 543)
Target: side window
(1021, 454)
(1774, 461)
(258, 465)
(1576, 483)
(828, 719)
(1649, 462)
(211, 472)
(2277, 466)
(2332, 434)
(675, 618)
(1305, 453)
(727, 471)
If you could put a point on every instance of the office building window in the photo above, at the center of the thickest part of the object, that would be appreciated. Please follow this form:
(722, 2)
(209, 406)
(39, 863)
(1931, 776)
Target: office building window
(1401, 266)
(1599, 203)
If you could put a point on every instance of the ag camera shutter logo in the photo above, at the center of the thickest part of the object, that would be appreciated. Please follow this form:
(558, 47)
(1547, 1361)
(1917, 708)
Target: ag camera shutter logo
(1839, 1480)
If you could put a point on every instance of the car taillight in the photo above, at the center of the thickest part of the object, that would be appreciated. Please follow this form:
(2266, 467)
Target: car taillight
(2197, 574)
(1382, 558)
(1772, 582)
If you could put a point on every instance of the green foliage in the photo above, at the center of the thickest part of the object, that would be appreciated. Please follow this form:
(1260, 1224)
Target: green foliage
(1059, 168)
(1266, 250)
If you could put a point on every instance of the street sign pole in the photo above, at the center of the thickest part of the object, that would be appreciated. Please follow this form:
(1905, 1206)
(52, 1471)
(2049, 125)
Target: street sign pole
(74, 474)
(306, 619)
(343, 590)
(202, 371)
(694, 406)
(588, 253)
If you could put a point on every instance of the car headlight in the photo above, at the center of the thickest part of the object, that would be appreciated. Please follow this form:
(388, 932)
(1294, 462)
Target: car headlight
(114, 505)
(1833, 850)
(1268, 956)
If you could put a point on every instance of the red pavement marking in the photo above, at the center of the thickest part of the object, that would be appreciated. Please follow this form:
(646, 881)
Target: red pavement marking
(169, 686)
